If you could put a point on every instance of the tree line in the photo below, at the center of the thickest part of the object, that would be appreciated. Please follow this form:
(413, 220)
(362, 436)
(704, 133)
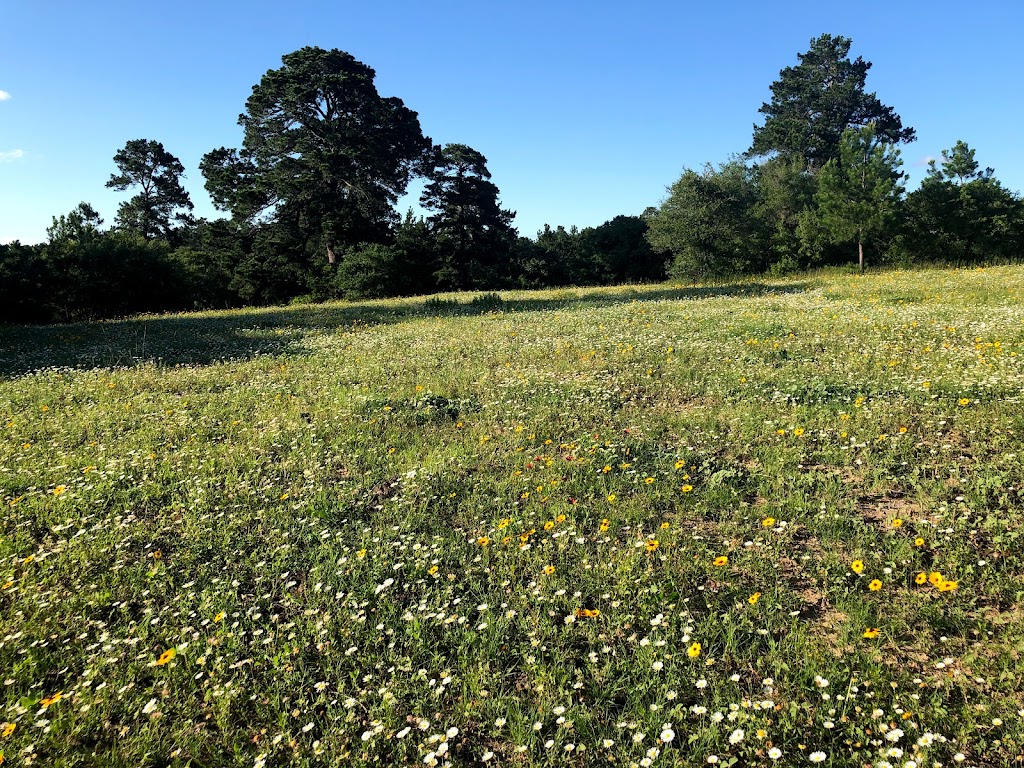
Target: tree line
(821, 184)
(310, 202)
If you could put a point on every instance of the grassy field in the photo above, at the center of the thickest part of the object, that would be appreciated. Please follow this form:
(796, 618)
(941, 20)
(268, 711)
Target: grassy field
(773, 522)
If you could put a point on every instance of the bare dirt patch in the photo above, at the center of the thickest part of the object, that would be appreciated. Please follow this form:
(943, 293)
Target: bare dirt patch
(882, 509)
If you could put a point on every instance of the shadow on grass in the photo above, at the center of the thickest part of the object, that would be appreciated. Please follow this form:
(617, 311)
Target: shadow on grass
(203, 339)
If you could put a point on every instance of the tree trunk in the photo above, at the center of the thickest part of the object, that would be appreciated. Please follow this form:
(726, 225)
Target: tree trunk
(860, 254)
(330, 253)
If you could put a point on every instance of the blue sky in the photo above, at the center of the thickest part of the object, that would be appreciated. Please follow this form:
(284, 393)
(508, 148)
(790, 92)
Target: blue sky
(585, 110)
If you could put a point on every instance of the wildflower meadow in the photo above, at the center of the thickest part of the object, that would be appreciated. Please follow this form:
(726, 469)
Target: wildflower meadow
(772, 522)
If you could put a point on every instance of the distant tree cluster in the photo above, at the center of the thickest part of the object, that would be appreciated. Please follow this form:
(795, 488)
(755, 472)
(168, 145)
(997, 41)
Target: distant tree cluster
(310, 198)
(822, 182)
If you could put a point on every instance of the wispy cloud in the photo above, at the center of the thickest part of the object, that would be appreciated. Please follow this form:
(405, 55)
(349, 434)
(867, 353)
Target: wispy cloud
(10, 157)
(923, 161)
(4, 95)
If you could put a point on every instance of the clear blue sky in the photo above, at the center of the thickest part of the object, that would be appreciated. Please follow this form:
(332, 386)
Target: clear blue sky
(585, 110)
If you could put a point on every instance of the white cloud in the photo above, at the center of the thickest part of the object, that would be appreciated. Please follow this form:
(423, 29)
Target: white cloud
(920, 163)
(10, 157)
(4, 95)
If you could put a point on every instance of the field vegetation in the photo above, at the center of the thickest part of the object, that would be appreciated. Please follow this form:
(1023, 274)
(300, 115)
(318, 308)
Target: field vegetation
(775, 521)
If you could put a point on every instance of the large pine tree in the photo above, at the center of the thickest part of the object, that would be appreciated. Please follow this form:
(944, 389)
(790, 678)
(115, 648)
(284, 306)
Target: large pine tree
(858, 193)
(815, 101)
(473, 231)
(323, 153)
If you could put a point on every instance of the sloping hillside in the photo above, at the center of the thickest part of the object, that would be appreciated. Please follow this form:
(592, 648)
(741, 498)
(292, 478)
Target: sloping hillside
(642, 525)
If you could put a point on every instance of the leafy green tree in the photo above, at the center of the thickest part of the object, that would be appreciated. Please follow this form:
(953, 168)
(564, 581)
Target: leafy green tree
(564, 260)
(322, 151)
(958, 163)
(22, 284)
(531, 265)
(420, 250)
(859, 193)
(208, 258)
(618, 251)
(90, 273)
(962, 214)
(815, 101)
(161, 200)
(81, 225)
(473, 232)
(785, 190)
(370, 271)
(710, 225)
(404, 267)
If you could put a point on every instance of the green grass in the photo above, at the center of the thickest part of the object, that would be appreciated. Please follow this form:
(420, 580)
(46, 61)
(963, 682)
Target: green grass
(410, 531)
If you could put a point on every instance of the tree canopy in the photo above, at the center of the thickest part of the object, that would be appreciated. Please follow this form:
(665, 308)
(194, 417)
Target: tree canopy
(324, 159)
(859, 192)
(815, 101)
(709, 222)
(161, 200)
(963, 214)
(473, 230)
(322, 150)
(958, 163)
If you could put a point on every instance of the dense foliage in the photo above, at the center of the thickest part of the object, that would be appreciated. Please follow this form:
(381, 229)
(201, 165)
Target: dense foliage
(821, 183)
(311, 196)
(815, 102)
(161, 200)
